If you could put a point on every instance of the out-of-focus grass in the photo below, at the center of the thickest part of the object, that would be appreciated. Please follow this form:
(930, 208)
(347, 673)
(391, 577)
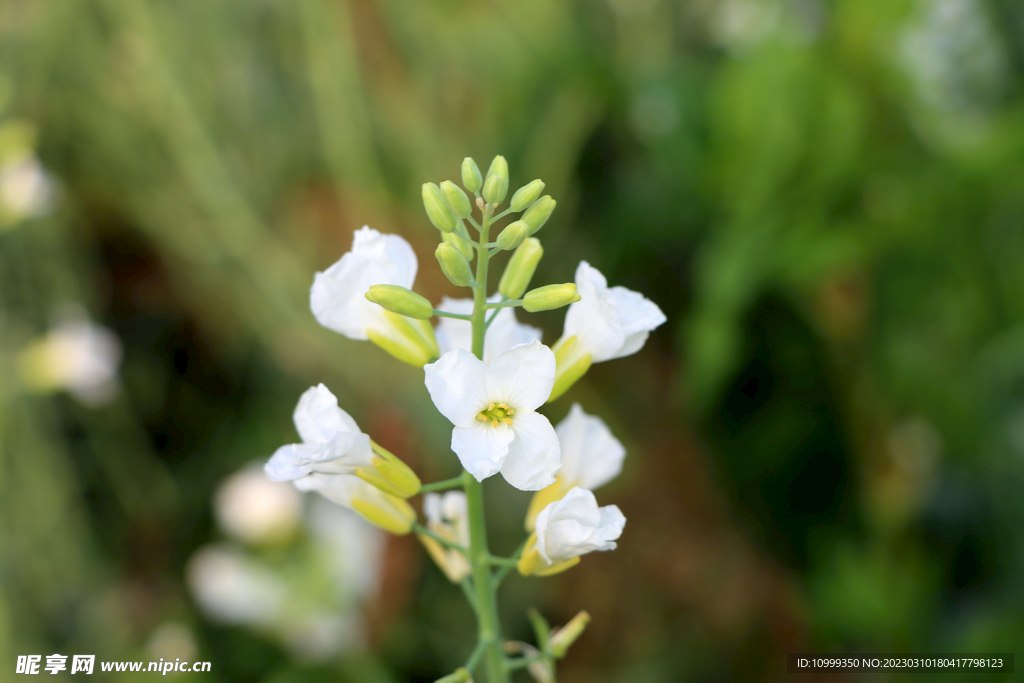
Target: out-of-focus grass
(825, 198)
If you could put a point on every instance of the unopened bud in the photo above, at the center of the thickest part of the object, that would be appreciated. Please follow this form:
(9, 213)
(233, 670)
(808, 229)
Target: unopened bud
(567, 635)
(471, 177)
(460, 675)
(512, 236)
(520, 269)
(571, 363)
(400, 300)
(550, 297)
(457, 200)
(410, 341)
(526, 195)
(453, 264)
(459, 242)
(496, 183)
(437, 211)
(539, 213)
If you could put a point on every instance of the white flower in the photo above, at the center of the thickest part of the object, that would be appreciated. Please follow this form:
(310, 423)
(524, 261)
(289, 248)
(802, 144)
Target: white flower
(608, 322)
(493, 410)
(386, 511)
(332, 442)
(26, 189)
(255, 510)
(448, 517)
(591, 457)
(575, 526)
(77, 356)
(504, 333)
(355, 549)
(338, 297)
(233, 589)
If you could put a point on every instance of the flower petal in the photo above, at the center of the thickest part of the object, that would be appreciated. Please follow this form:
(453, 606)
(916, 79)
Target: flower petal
(504, 333)
(341, 455)
(592, 319)
(522, 377)
(391, 253)
(575, 526)
(457, 384)
(638, 315)
(534, 456)
(339, 488)
(591, 455)
(318, 417)
(482, 448)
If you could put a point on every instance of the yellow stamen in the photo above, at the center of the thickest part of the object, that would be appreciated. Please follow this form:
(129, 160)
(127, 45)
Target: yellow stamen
(507, 421)
(490, 407)
(481, 417)
(494, 423)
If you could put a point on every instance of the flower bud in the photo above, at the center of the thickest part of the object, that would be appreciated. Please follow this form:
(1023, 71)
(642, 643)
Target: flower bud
(453, 264)
(512, 236)
(526, 195)
(388, 473)
(549, 297)
(539, 213)
(437, 211)
(567, 635)
(400, 300)
(457, 200)
(570, 366)
(496, 183)
(471, 175)
(520, 269)
(459, 242)
(388, 512)
(411, 341)
(460, 675)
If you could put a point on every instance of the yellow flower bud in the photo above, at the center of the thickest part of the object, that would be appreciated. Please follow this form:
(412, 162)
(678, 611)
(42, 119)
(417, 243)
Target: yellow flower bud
(471, 175)
(550, 297)
(388, 512)
(512, 236)
(563, 639)
(453, 264)
(496, 182)
(457, 200)
(539, 213)
(412, 341)
(569, 366)
(401, 300)
(520, 269)
(437, 210)
(526, 195)
(388, 473)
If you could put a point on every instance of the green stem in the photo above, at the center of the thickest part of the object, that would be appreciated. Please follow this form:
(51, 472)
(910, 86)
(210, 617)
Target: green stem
(502, 304)
(442, 485)
(420, 529)
(489, 629)
(446, 314)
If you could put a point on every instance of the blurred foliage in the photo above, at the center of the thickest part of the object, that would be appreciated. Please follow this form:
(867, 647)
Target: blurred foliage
(826, 198)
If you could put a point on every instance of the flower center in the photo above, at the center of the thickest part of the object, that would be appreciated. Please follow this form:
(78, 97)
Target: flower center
(496, 413)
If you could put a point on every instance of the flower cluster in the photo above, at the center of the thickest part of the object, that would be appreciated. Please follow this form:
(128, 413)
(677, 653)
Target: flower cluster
(489, 375)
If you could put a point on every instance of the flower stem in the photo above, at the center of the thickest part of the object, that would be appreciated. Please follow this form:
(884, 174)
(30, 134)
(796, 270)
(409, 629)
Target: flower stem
(442, 485)
(489, 629)
(420, 529)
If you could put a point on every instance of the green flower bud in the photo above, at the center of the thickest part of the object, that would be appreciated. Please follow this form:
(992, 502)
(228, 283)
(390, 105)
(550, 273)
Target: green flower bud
(567, 635)
(512, 236)
(571, 363)
(471, 175)
(520, 269)
(550, 297)
(400, 300)
(460, 675)
(526, 195)
(538, 214)
(459, 242)
(457, 200)
(437, 211)
(410, 341)
(453, 264)
(386, 511)
(496, 183)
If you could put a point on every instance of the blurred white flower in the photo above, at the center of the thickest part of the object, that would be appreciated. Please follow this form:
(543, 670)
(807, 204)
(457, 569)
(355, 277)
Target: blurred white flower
(26, 189)
(504, 333)
(77, 356)
(568, 528)
(231, 588)
(448, 517)
(171, 640)
(255, 510)
(338, 297)
(591, 457)
(493, 410)
(355, 548)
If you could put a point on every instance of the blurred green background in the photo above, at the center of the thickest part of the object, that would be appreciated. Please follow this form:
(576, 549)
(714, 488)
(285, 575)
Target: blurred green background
(826, 198)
